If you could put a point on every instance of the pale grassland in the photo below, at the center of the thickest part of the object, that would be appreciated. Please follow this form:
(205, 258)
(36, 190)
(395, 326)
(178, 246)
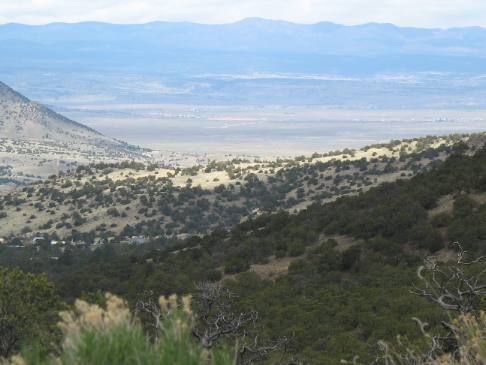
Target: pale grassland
(207, 180)
(26, 215)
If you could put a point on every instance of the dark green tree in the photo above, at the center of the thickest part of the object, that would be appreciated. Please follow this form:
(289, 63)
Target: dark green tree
(28, 308)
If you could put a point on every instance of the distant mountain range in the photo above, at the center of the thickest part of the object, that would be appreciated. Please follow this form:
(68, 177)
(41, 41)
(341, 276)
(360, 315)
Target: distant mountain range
(251, 45)
(251, 62)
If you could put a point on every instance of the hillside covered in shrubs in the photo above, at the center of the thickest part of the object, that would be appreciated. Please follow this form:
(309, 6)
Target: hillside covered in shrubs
(322, 285)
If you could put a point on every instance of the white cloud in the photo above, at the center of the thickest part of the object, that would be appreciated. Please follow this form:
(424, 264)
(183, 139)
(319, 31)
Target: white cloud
(425, 13)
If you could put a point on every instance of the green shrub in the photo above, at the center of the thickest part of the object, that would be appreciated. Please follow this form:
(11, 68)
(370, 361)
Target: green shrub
(236, 265)
(95, 335)
(441, 220)
(28, 304)
(296, 249)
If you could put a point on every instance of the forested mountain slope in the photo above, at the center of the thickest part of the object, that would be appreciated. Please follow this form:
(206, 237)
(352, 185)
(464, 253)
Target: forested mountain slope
(349, 268)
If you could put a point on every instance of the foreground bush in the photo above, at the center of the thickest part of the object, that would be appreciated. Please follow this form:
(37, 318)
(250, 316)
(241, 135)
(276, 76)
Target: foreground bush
(471, 336)
(469, 346)
(97, 336)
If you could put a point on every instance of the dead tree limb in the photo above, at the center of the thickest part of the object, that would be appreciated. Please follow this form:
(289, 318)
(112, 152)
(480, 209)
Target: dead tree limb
(216, 320)
(457, 287)
(147, 305)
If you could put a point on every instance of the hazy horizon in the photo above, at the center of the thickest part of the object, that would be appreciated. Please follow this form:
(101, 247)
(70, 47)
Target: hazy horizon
(246, 19)
(136, 69)
(416, 13)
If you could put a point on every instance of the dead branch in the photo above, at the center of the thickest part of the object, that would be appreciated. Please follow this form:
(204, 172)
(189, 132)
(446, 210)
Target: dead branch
(456, 287)
(216, 319)
(148, 305)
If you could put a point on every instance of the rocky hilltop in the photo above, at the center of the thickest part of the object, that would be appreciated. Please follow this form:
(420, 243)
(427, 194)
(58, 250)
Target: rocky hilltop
(36, 142)
(21, 118)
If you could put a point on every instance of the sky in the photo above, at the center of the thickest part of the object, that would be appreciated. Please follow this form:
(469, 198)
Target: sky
(417, 13)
